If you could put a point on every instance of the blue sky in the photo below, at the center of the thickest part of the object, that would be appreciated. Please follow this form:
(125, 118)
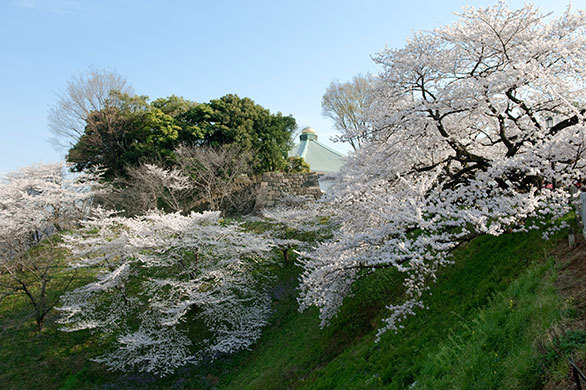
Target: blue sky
(282, 54)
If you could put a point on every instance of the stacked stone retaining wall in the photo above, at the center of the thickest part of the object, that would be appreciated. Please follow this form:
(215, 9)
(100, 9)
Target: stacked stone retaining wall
(275, 185)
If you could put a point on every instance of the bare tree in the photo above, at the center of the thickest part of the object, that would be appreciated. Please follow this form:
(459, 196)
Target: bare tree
(204, 178)
(217, 173)
(149, 187)
(86, 92)
(345, 103)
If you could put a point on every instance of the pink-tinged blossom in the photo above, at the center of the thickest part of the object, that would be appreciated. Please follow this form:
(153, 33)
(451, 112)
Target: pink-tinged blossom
(35, 203)
(462, 146)
(159, 274)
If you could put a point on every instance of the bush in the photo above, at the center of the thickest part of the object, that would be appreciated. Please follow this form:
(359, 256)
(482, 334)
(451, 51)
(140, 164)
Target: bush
(296, 164)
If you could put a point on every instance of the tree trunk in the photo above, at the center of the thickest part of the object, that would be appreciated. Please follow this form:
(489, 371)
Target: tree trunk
(40, 320)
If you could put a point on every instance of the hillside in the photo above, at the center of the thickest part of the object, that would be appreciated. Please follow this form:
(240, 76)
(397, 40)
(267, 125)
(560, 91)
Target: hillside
(486, 327)
(496, 318)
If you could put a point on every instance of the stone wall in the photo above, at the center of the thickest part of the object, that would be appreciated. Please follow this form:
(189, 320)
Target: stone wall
(274, 185)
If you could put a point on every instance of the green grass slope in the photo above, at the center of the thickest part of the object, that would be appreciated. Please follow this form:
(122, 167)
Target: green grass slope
(486, 328)
(486, 314)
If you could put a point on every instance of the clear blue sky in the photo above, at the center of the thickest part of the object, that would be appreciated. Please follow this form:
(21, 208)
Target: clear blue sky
(282, 54)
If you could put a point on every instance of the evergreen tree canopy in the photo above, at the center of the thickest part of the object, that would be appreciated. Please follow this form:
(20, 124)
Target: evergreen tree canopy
(132, 130)
(234, 120)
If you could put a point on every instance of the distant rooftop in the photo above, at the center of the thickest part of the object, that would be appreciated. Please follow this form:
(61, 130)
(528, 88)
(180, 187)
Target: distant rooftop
(320, 158)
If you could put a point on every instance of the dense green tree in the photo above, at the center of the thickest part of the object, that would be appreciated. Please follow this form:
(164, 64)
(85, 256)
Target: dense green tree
(274, 142)
(234, 120)
(125, 133)
(296, 164)
(173, 105)
(178, 108)
(130, 130)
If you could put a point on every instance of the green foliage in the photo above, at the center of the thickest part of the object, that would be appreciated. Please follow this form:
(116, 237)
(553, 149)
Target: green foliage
(178, 108)
(127, 132)
(495, 349)
(130, 130)
(174, 106)
(557, 351)
(50, 360)
(234, 120)
(41, 278)
(296, 164)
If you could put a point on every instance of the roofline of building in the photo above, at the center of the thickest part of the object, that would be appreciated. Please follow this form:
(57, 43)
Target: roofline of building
(328, 148)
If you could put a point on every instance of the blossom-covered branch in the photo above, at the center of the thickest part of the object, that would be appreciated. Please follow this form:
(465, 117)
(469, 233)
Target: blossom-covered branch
(155, 273)
(35, 203)
(464, 146)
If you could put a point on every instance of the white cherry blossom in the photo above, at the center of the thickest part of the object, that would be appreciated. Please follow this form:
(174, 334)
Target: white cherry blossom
(463, 146)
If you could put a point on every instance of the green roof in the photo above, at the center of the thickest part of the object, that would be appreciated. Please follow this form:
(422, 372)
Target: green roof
(319, 157)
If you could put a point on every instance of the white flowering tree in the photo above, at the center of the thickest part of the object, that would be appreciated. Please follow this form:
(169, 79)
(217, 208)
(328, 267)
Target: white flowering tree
(36, 202)
(295, 224)
(151, 187)
(480, 130)
(170, 289)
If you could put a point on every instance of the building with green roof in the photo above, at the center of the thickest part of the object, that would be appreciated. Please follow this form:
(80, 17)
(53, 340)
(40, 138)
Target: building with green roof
(319, 157)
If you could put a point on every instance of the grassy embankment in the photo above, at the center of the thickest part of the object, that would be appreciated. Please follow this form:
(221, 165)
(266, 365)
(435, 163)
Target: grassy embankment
(489, 323)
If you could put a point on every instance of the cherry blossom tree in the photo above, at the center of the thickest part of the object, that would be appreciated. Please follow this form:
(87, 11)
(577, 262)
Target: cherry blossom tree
(215, 174)
(480, 129)
(150, 187)
(292, 227)
(35, 203)
(163, 277)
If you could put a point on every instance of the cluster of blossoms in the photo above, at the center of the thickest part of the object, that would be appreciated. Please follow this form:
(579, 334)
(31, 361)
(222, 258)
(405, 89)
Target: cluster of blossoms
(158, 273)
(295, 224)
(39, 200)
(479, 128)
(36, 202)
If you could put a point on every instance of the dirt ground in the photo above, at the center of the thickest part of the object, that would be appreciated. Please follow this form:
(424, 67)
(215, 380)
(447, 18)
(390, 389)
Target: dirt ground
(571, 283)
